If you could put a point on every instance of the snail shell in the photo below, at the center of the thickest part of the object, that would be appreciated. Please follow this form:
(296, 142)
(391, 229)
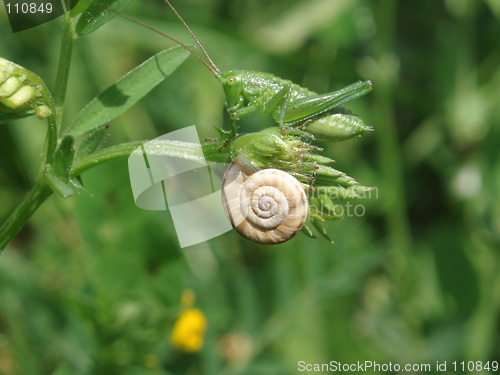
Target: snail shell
(266, 207)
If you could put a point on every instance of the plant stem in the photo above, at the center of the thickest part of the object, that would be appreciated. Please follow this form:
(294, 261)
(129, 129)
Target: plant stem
(38, 193)
(210, 151)
(36, 196)
(64, 67)
(99, 157)
(50, 145)
(41, 191)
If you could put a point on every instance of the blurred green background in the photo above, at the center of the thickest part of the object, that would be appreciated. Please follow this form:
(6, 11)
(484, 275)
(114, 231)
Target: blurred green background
(92, 284)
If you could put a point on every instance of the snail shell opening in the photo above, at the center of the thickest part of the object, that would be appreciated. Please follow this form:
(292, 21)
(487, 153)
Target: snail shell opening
(267, 207)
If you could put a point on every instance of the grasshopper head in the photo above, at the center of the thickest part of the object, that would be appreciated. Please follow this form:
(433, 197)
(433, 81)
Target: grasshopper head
(233, 87)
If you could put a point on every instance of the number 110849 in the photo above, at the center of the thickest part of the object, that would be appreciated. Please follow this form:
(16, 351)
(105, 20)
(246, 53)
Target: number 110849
(28, 8)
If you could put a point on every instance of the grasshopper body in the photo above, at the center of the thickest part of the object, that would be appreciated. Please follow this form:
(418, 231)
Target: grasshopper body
(290, 104)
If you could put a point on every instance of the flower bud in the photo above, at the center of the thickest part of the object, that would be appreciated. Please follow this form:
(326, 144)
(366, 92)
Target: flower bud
(6, 68)
(337, 127)
(42, 111)
(22, 90)
(10, 86)
(270, 148)
(20, 97)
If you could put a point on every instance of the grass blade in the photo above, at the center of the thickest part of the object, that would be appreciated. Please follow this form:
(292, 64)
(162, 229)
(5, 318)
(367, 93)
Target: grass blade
(128, 90)
(98, 13)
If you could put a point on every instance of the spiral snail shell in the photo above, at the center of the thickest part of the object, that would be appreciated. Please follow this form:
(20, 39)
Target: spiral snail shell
(266, 207)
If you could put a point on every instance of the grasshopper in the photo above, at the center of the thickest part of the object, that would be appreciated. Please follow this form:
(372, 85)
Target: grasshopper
(288, 103)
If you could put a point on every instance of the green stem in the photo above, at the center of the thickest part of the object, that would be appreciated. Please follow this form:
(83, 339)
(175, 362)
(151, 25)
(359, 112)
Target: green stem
(41, 191)
(50, 144)
(102, 156)
(37, 195)
(210, 151)
(64, 67)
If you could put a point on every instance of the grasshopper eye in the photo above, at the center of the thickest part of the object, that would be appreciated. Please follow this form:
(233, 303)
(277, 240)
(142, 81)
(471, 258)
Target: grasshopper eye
(231, 80)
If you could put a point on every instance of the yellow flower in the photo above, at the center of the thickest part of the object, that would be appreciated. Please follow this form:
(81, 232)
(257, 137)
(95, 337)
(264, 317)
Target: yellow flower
(188, 330)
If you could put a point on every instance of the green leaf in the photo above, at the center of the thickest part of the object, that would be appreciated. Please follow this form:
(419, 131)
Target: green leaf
(318, 158)
(80, 7)
(322, 230)
(98, 13)
(61, 187)
(90, 141)
(132, 87)
(5, 118)
(306, 229)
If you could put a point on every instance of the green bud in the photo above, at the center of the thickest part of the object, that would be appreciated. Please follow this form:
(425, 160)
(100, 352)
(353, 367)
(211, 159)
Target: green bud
(6, 68)
(22, 91)
(337, 127)
(42, 111)
(10, 86)
(20, 97)
(270, 148)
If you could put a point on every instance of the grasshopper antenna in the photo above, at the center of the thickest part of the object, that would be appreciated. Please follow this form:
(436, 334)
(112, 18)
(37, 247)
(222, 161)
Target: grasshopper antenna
(214, 69)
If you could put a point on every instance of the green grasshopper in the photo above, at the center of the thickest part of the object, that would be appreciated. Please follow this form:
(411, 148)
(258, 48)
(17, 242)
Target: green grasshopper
(288, 103)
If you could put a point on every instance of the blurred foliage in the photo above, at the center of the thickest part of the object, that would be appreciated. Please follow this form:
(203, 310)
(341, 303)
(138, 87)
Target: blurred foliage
(92, 285)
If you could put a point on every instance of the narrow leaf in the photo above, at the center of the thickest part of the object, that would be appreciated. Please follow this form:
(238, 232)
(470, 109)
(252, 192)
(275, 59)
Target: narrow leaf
(318, 158)
(98, 13)
(5, 118)
(90, 141)
(306, 229)
(322, 230)
(132, 87)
